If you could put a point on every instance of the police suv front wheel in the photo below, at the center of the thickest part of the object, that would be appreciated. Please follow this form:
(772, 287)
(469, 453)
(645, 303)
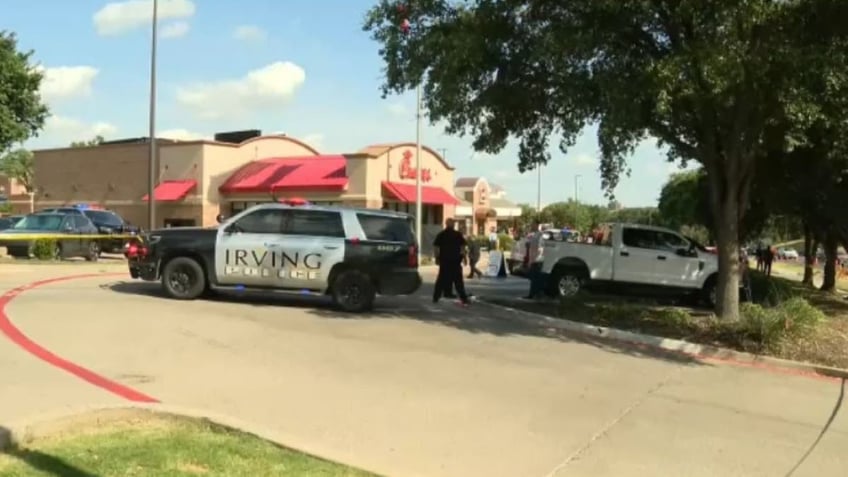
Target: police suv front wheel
(183, 279)
(353, 291)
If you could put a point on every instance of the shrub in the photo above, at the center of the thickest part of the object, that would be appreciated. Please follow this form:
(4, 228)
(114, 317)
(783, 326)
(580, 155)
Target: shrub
(769, 327)
(505, 242)
(768, 291)
(43, 249)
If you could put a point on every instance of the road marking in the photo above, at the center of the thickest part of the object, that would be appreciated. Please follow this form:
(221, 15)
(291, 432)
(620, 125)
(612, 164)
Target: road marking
(17, 337)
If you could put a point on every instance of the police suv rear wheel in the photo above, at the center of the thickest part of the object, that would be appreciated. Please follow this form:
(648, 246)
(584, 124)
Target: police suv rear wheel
(183, 279)
(353, 291)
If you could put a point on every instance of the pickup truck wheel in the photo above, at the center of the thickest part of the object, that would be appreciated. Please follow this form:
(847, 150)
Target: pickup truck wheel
(709, 294)
(353, 291)
(183, 279)
(567, 283)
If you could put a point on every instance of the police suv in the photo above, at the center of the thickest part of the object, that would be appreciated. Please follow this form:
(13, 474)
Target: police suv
(350, 254)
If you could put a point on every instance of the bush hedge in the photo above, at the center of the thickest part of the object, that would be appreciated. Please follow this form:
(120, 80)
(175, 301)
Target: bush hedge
(43, 249)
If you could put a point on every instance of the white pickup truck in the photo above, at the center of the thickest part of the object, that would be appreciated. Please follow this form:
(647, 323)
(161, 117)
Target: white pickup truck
(631, 256)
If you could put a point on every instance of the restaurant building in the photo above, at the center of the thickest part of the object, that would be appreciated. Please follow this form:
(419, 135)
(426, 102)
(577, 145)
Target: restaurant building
(483, 207)
(197, 180)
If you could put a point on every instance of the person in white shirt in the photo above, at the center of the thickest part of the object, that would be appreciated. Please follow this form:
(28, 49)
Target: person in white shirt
(534, 264)
(493, 240)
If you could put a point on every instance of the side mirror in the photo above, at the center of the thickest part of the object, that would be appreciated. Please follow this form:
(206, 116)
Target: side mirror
(683, 252)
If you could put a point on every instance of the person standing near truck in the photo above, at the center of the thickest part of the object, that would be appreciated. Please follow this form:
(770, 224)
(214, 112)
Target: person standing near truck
(532, 259)
(473, 257)
(448, 248)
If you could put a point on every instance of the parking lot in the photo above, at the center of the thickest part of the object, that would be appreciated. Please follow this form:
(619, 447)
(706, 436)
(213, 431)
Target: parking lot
(411, 388)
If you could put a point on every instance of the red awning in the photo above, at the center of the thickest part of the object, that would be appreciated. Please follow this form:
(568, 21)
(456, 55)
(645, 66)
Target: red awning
(169, 191)
(429, 194)
(268, 175)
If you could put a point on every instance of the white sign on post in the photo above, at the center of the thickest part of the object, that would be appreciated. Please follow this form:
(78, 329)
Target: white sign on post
(495, 262)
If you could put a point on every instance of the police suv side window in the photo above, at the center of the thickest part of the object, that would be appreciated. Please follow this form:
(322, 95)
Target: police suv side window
(319, 223)
(386, 228)
(262, 221)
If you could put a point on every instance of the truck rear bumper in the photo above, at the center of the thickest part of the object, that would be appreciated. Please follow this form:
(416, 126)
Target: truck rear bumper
(400, 282)
(145, 271)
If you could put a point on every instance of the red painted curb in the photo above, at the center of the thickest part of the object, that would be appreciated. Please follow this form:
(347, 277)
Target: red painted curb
(22, 341)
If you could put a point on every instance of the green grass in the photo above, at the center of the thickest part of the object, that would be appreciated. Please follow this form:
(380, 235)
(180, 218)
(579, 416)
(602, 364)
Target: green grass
(786, 319)
(163, 447)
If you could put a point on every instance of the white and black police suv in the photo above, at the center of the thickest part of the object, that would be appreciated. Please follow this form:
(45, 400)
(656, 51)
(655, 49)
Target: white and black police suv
(350, 254)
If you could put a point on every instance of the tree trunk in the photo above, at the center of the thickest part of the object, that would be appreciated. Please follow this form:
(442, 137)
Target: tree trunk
(727, 292)
(830, 255)
(809, 255)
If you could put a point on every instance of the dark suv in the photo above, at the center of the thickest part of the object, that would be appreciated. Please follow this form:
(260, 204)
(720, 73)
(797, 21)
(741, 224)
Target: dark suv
(107, 223)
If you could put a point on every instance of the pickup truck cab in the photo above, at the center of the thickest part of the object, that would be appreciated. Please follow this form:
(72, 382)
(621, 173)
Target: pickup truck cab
(631, 256)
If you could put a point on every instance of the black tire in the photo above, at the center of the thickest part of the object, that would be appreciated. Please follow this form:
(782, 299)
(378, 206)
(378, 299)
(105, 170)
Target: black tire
(93, 252)
(709, 293)
(353, 291)
(566, 282)
(57, 252)
(183, 279)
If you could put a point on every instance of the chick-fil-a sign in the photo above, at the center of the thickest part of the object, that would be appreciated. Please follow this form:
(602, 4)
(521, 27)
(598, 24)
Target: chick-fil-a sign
(407, 171)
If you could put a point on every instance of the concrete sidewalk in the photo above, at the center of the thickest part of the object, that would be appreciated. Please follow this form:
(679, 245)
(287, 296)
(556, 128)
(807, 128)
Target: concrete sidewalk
(415, 389)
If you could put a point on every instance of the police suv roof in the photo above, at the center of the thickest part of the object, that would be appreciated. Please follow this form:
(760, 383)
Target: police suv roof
(333, 208)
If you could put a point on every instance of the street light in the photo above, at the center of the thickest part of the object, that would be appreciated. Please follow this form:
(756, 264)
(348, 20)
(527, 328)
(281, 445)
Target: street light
(576, 180)
(418, 169)
(539, 187)
(152, 172)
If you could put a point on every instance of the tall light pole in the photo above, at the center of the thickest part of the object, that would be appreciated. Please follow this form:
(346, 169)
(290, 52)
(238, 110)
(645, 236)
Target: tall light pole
(576, 182)
(539, 187)
(405, 28)
(152, 171)
(418, 168)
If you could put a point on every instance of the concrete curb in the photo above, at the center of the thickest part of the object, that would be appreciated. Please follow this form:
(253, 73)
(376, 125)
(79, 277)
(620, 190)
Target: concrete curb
(51, 424)
(685, 348)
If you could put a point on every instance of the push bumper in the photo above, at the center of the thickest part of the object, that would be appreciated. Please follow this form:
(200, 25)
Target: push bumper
(400, 282)
(144, 270)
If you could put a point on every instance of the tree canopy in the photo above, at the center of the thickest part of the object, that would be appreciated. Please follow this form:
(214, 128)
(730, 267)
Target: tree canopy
(95, 141)
(22, 112)
(18, 165)
(706, 78)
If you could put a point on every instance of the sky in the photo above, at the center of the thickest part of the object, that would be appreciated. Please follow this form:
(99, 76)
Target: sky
(300, 67)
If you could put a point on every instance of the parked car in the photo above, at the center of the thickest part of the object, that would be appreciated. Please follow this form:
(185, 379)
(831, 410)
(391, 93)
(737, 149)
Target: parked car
(110, 223)
(631, 257)
(9, 222)
(787, 254)
(64, 226)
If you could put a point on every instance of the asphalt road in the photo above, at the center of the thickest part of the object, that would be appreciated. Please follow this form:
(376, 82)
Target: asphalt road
(416, 389)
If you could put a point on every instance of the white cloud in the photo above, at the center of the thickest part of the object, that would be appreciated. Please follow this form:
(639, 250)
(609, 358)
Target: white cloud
(268, 87)
(315, 140)
(61, 131)
(584, 160)
(175, 30)
(181, 135)
(120, 17)
(67, 82)
(249, 33)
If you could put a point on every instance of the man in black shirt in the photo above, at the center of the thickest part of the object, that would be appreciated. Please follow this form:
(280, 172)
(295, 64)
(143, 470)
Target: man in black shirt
(448, 247)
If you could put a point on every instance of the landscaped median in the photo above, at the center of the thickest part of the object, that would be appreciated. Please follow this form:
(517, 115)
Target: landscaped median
(786, 320)
(161, 445)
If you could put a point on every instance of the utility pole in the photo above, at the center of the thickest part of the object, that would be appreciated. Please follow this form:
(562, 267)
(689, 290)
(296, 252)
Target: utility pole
(418, 169)
(539, 187)
(152, 171)
(576, 183)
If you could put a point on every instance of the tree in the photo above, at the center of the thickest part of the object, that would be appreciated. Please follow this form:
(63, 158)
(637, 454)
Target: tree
(705, 78)
(96, 141)
(22, 112)
(18, 165)
(680, 201)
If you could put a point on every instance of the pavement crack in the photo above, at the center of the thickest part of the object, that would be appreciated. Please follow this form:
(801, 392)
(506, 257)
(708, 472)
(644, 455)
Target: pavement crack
(602, 432)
